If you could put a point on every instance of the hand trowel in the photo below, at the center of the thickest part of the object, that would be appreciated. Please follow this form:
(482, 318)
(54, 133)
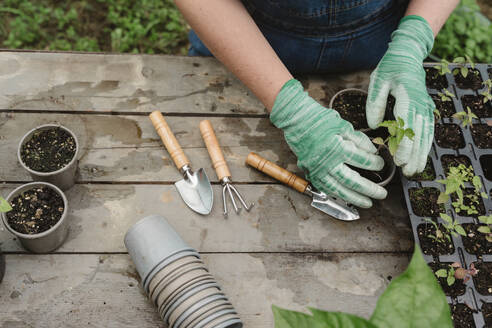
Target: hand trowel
(195, 188)
(321, 201)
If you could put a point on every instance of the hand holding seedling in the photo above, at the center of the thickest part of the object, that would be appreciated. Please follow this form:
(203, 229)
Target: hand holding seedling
(400, 72)
(324, 144)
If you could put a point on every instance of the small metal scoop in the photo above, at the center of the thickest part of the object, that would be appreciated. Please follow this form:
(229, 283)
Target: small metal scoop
(221, 168)
(321, 201)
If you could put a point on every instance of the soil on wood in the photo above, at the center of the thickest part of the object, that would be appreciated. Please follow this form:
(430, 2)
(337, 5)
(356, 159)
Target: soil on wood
(467, 201)
(431, 246)
(472, 81)
(449, 136)
(462, 316)
(434, 80)
(454, 161)
(424, 201)
(351, 106)
(48, 150)
(483, 279)
(487, 314)
(428, 174)
(486, 162)
(446, 108)
(35, 210)
(477, 106)
(456, 289)
(475, 242)
(482, 135)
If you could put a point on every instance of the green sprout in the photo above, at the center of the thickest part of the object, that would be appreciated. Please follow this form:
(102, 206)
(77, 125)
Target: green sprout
(456, 271)
(466, 118)
(487, 96)
(437, 114)
(446, 229)
(4, 205)
(448, 274)
(461, 63)
(485, 229)
(446, 95)
(396, 132)
(442, 67)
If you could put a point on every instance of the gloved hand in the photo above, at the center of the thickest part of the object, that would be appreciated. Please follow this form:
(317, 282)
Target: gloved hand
(324, 143)
(400, 72)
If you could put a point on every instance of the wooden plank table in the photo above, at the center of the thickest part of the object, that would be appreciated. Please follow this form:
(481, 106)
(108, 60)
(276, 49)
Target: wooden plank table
(283, 252)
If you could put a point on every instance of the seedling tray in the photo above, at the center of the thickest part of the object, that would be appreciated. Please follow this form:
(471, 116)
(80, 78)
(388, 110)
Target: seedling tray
(480, 159)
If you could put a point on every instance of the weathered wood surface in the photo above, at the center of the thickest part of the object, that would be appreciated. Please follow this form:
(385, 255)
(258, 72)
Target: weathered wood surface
(281, 220)
(283, 252)
(136, 83)
(51, 291)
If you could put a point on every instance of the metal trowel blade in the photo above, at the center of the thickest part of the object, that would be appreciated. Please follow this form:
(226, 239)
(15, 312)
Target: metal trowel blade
(335, 208)
(196, 191)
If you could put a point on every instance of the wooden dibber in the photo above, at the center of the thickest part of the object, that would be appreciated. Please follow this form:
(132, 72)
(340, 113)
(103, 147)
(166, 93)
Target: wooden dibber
(214, 150)
(276, 172)
(169, 140)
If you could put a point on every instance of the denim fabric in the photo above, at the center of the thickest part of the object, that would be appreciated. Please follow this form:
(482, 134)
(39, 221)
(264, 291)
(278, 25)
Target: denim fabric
(323, 35)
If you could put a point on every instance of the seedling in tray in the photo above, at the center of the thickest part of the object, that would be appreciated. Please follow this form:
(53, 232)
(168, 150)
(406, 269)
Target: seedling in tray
(461, 66)
(455, 271)
(446, 95)
(450, 227)
(443, 67)
(396, 132)
(485, 229)
(486, 94)
(466, 118)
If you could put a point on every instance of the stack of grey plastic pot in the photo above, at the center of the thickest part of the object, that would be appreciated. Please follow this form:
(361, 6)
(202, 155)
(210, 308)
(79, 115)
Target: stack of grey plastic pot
(175, 278)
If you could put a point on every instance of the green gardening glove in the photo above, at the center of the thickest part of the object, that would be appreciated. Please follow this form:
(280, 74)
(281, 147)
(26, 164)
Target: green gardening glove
(324, 143)
(400, 72)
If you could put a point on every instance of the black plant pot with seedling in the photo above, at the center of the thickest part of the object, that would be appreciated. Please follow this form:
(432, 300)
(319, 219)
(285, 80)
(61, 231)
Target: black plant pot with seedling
(49, 153)
(38, 217)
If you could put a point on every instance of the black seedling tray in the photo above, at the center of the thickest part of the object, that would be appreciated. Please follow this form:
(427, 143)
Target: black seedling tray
(471, 296)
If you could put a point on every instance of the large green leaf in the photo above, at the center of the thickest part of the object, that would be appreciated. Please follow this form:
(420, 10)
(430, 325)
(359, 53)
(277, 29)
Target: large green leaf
(293, 319)
(341, 320)
(4, 205)
(414, 299)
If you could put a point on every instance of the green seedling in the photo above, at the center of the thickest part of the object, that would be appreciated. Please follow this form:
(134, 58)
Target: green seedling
(4, 205)
(485, 229)
(397, 131)
(446, 229)
(456, 271)
(461, 63)
(442, 67)
(487, 96)
(437, 114)
(446, 95)
(466, 118)
(455, 184)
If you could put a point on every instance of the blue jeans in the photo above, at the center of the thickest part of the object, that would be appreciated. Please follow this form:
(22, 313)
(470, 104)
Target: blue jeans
(319, 36)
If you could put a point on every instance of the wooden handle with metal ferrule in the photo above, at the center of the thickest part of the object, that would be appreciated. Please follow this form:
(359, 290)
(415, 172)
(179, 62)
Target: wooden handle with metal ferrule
(214, 150)
(277, 172)
(169, 139)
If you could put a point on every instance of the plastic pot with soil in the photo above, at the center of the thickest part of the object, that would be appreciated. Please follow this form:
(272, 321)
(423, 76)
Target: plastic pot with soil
(386, 174)
(38, 217)
(49, 153)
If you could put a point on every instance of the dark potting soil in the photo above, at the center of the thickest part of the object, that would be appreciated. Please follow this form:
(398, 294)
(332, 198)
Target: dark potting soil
(449, 136)
(487, 314)
(467, 201)
(48, 150)
(446, 108)
(482, 135)
(477, 106)
(462, 316)
(428, 174)
(454, 161)
(475, 242)
(472, 81)
(351, 106)
(431, 246)
(434, 80)
(486, 162)
(35, 210)
(456, 289)
(424, 201)
(483, 279)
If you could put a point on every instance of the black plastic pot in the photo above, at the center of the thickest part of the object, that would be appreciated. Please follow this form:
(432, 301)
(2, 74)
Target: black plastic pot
(472, 297)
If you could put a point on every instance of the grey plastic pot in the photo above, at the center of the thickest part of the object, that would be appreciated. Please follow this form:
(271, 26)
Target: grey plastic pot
(63, 178)
(152, 244)
(48, 240)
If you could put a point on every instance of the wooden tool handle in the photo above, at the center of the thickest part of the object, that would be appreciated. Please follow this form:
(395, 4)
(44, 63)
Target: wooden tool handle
(277, 172)
(169, 139)
(214, 150)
